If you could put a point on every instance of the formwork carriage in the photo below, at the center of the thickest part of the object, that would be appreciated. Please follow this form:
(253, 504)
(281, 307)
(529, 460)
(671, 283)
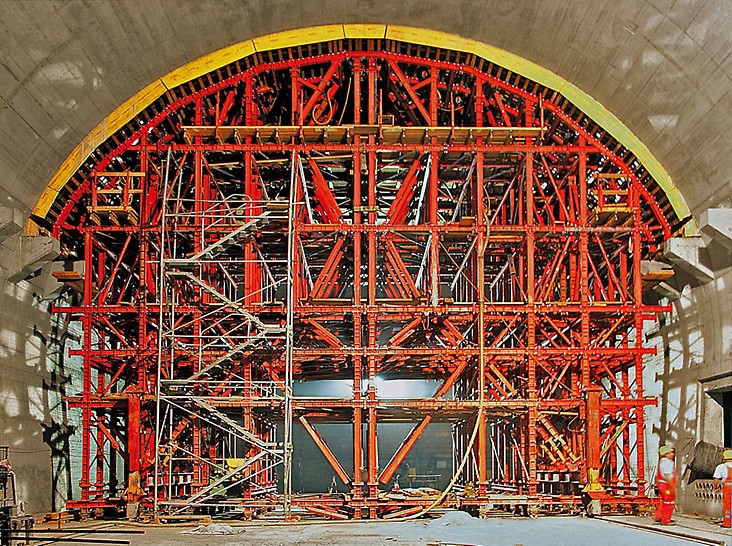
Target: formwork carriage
(364, 212)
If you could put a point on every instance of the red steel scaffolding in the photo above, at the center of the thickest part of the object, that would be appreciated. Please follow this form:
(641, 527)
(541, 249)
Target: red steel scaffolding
(362, 210)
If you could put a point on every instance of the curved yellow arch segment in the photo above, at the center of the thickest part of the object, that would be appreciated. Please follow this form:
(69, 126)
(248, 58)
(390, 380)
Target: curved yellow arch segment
(292, 38)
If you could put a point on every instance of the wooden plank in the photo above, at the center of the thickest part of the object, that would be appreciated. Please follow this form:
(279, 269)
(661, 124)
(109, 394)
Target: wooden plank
(344, 133)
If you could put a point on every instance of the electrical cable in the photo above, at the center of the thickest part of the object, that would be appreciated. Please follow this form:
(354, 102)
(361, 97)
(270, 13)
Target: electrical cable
(345, 102)
(481, 404)
(476, 427)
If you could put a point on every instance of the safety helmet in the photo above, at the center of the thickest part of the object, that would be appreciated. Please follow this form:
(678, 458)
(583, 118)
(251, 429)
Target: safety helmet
(727, 454)
(665, 450)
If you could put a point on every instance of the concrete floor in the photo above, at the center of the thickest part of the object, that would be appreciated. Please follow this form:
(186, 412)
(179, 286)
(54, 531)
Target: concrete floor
(451, 529)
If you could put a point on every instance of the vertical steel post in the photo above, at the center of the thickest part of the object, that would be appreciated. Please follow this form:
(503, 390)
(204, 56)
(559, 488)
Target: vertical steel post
(532, 356)
(482, 227)
(357, 486)
(161, 289)
(371, 444)
(287, 444)
(640, 445)
(87, 370)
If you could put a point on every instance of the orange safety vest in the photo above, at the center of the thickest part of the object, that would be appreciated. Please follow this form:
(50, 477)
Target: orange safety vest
(667, 496)
(666, 487)
(727, 497)
(728, 480)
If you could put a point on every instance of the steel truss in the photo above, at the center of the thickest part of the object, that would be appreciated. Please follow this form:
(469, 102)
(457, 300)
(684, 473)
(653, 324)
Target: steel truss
(356, 213)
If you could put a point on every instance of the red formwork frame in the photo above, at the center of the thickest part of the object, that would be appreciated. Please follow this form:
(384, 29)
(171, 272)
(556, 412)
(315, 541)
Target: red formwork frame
(360, 210)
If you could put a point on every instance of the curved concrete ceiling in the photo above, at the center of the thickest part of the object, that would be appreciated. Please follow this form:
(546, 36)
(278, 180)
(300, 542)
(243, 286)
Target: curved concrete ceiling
(662, 67)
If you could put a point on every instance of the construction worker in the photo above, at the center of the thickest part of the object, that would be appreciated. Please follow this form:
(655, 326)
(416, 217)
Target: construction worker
(723, 480)
(666, 484)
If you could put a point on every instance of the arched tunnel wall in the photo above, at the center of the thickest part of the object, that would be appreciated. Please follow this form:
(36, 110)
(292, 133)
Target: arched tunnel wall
(662, 67)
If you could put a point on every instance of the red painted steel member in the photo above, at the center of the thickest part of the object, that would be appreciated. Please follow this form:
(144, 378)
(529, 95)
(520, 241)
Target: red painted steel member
(723, 480)
(666, 484)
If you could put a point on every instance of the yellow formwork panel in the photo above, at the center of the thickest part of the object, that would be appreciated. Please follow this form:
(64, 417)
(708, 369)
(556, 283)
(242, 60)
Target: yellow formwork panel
(366, 32)
(623, 134)
(293, 38)
(501, 57)
(298, 37)
(204, 65)
(133, 106)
